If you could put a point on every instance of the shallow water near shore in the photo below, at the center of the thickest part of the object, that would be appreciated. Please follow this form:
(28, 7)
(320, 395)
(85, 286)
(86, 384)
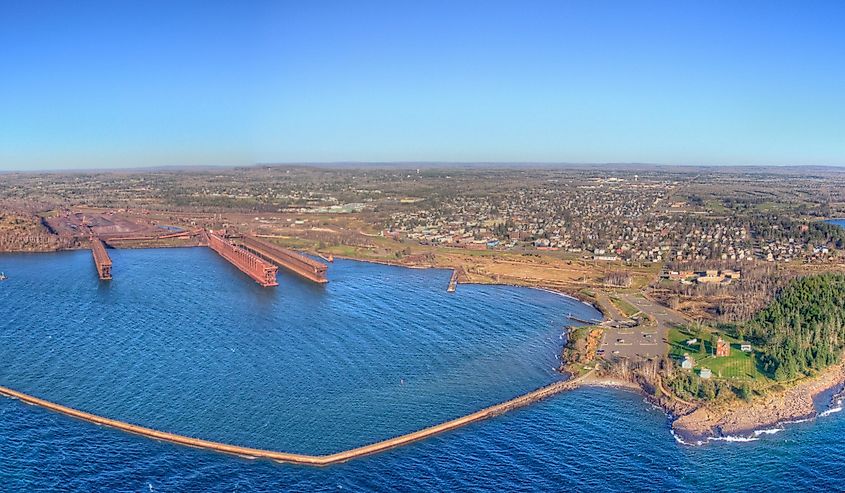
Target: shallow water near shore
(183, 342)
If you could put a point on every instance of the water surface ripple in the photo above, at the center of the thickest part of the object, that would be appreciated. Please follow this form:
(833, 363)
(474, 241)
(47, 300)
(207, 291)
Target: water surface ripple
(179, 341)
(182, 342)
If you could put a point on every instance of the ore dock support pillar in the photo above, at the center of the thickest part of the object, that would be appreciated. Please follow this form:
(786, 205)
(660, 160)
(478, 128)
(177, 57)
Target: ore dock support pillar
(101, 258)
(250, 264)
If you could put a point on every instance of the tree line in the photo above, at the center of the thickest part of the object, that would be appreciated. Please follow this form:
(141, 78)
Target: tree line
(803, 329)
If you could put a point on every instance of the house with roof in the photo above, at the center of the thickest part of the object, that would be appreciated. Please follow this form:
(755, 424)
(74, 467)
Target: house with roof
(723, 348)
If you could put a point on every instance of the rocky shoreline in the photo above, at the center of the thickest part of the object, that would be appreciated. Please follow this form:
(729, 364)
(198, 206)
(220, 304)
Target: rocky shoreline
(694, 423)
(736, 420)
(741, 420)
(747, 419)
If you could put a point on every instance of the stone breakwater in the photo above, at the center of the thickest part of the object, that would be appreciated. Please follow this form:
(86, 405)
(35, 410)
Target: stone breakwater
(301, 459)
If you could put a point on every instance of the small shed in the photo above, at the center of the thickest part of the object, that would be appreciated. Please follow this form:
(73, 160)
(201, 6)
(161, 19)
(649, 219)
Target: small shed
(705, 373)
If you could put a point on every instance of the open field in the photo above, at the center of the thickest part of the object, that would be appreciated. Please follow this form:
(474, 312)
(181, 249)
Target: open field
(738, 366)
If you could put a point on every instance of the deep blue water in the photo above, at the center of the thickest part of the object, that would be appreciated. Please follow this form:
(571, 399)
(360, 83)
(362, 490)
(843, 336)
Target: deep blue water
(181, 341)
(839, 222)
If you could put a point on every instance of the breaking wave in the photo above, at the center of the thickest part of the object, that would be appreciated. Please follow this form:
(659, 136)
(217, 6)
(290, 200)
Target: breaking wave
(832, 410)
(733, 438)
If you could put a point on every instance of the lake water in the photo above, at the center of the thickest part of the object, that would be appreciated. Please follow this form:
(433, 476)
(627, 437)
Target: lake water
(181, 341)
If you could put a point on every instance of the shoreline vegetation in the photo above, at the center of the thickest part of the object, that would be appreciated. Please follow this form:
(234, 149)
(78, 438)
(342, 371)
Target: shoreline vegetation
(696, 423)
(742, 417)
(733, 411)
(800, 340)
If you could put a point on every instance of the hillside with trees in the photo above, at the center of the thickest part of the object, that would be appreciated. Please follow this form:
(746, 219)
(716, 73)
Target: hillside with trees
(799, 333)
(803, 329)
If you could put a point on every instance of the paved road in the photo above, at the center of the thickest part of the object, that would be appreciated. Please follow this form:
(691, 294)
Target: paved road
(643, 341)
(665, 316)
(607, 307)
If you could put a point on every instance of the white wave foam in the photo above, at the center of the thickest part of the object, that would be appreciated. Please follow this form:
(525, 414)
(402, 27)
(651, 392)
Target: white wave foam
(839, 407)
(768, 431)
(681, 440)
(561, 294)
(830, 411)
(732, 438)
(653, 406)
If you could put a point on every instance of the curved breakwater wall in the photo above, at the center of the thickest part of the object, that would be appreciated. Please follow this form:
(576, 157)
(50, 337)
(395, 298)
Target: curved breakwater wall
(302, 459)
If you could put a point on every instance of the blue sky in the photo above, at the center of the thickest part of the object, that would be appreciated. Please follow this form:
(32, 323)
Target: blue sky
(127, 84)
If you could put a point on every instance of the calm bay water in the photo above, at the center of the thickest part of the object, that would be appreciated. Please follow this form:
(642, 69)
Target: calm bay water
(181, 341)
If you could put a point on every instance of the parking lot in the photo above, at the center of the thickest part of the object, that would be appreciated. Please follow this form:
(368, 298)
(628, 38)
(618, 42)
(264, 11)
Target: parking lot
(636, 342)
(644, 341)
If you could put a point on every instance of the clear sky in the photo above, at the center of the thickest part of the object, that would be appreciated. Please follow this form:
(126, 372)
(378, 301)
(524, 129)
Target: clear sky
(149, 83)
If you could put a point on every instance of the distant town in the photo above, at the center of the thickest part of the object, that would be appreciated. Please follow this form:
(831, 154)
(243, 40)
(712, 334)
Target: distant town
(692, 268)
(629, 215)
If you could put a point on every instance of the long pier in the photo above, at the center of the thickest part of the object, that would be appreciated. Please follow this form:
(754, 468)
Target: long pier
(301, 459)
(101, 258)
(264, 273)
(453, 281)
(295, 262)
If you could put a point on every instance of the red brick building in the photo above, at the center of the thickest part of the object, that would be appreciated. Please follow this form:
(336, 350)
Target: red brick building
(723, 348)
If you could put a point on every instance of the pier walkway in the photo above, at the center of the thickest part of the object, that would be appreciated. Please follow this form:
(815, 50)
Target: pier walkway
(295, 262)
(453, 281)
(302, 459)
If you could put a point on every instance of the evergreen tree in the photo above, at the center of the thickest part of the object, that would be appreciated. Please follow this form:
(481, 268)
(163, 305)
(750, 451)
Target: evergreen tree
(802, 330)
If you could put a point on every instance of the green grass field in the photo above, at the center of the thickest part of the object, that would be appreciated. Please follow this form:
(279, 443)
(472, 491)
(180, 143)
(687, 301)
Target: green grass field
(626, 308)
(737, 366)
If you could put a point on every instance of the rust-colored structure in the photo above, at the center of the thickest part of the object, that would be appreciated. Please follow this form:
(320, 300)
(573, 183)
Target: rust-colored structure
(295, 262)
(101, 258)
(723, 348)
(264, 273)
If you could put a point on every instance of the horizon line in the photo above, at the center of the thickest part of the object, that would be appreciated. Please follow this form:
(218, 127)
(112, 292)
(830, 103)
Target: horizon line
(419, 164)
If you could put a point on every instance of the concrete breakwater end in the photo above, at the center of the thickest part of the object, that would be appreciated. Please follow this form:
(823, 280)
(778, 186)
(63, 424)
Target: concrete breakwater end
(302, 459)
